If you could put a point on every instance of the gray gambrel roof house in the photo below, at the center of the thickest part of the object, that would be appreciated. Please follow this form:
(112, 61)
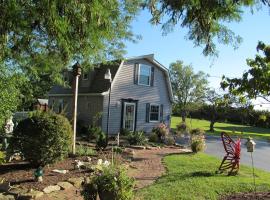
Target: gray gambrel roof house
(141, 95)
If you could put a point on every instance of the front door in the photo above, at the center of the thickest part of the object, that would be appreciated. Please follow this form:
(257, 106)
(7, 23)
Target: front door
(129, 116)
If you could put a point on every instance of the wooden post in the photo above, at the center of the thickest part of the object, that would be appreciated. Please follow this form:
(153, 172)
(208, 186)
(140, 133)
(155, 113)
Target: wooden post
(76, 74)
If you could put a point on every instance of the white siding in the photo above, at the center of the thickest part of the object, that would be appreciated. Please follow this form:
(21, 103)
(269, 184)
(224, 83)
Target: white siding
(124, 88)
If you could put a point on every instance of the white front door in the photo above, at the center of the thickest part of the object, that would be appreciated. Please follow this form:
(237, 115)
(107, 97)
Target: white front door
(129, 116)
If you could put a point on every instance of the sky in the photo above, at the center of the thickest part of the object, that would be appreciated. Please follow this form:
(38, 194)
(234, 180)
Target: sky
(231, 63)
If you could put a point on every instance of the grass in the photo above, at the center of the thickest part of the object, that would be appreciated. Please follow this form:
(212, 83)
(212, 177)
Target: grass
(192, 176)
(233, 129)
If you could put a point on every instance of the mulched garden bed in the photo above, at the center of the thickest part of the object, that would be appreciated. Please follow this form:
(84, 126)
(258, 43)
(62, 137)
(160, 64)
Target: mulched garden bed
(22, 174)
(248, 196)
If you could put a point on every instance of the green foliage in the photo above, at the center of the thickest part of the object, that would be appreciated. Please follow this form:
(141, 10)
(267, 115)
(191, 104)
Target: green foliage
(169, 140)
(161, 131)
(124, 132)
(188, 87)
(43, 138)
(153, 138)
(9, 95)
(136, 138)
(101, 139)
(197, 146)
(117, 149)
(2, 157)
(182, 128)
(82, 150)
(255, 82)
(204, 19)
(197, 132)
(113, 182)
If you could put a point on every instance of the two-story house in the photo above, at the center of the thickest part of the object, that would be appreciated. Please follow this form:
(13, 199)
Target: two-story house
(141, 95)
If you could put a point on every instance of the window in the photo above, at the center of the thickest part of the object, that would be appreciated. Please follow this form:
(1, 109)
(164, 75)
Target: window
(154, 113)
(85, 76)
(144, 75)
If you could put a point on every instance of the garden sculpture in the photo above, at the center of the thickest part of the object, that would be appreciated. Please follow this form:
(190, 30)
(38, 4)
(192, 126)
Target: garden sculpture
(231, 160)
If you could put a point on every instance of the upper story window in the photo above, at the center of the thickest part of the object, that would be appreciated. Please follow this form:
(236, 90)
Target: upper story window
(144, 75)
(85, 76)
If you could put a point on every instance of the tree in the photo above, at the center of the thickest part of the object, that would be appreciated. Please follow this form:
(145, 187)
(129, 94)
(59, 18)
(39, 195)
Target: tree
(49, 35)
(255, 82)
(9, 96)
(188, 87)
(205, 19)
(217, 104)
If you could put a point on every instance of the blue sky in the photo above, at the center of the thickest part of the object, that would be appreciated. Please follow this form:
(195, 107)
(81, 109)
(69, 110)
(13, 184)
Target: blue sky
(172, 47)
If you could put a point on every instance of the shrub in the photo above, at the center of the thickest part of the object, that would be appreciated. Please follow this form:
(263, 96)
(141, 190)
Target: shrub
(153, 138)
(93, 132)
(197, 146)
(169, 140)
(111, 183)
(124, 132)
(161, 131)
(2, 157)
(101, 139)
(182, 128)
(136, 138)
(82, 150)
(43, 138)
(197, 132)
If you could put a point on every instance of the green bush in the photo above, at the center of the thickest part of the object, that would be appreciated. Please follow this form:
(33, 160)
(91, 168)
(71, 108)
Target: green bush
(197, 145)
(136, 138)
(161, 131)
(112, 184)
(43, 138)
(182, 128)
(101, 139)
(169, 140)
(153, 138)
(124, 132)
(82, 150)
(197, 132)
(93, 132)
(2, 157)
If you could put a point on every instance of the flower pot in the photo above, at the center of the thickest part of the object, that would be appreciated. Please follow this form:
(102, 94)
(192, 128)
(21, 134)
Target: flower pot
(106, 195)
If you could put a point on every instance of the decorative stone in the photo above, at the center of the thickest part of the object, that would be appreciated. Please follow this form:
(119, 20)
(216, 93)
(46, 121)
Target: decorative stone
(6, 197)
(65, 185)
(60, 171)
(51, 188)
(5, 187)
(137, 147)
(17, 191)
(33, 194)
(77, 182)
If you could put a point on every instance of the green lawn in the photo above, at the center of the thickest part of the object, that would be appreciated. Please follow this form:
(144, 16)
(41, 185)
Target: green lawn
(192, 176)
(233, 129)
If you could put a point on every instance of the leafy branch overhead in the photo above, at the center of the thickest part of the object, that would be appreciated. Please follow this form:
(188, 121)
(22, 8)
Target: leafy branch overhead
(255, 82)
(205, 19)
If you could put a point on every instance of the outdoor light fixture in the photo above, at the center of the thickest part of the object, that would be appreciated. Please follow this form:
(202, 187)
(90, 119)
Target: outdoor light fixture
(108, 75)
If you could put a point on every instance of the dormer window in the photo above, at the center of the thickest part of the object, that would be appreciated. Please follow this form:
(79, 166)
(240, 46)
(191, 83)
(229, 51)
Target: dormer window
(85, 76)
(144, 75)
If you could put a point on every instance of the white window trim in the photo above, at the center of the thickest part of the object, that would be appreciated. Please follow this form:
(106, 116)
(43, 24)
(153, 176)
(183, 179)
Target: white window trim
(85, 79)
(134, 114)
(150, 76)
(153, 104)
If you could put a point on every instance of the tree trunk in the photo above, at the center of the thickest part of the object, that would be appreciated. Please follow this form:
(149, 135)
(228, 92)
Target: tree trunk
(212, 126)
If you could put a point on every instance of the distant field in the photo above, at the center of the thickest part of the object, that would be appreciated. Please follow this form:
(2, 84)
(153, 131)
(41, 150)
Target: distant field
(234, 129)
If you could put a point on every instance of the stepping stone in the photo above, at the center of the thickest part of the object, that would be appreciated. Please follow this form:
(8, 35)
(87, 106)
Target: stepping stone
(65, 185)
(51, 188)
(33, 194)
(77, 182)
(6, 197)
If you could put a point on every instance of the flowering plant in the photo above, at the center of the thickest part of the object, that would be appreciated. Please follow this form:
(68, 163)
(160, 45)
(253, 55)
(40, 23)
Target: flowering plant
(161, 131)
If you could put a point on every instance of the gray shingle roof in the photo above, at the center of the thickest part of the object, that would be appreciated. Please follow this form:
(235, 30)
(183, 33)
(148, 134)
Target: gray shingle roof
(97, 85)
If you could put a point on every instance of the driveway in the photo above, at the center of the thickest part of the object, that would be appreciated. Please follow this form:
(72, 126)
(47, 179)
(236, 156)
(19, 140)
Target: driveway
(261, 154)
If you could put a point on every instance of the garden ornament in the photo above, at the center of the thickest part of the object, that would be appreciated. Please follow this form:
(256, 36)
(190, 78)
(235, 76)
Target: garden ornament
(39, 174)
(250, 145)
(231, 160)
(9, 125)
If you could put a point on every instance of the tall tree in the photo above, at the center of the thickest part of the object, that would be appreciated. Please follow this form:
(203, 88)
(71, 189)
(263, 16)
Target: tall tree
(206, 20)
(255, 82)
(188, 87)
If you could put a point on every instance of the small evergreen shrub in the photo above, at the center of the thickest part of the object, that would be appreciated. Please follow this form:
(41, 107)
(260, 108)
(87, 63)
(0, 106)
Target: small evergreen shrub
(169, 140)
(124, 132)
(101, 139)
(2, 157)
(197, 132)
(136, 138)
(153, 138)
(197, 145)
(182, 128)
(82, 150)
(43, 138)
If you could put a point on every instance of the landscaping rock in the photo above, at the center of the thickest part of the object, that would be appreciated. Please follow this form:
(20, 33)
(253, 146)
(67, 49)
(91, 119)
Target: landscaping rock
(77, 182)
(6, 197)
(51, 188)
(137, 147)
(65, 185)
(17, 191)
(33, 194)
(5, 187)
